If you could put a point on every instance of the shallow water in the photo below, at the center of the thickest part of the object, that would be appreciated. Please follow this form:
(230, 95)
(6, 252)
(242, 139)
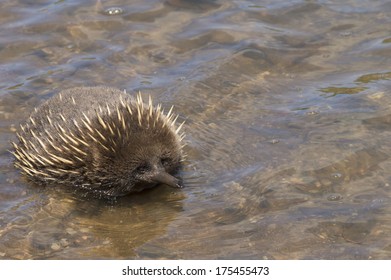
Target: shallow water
(288, 121)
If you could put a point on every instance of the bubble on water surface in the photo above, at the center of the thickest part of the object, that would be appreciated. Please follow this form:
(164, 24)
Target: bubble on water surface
(113, 11)
(334, 197)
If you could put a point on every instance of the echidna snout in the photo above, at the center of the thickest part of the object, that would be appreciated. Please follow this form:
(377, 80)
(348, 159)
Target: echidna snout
(102, 140)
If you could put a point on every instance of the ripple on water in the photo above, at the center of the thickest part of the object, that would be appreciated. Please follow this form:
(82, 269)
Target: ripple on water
(287, 123)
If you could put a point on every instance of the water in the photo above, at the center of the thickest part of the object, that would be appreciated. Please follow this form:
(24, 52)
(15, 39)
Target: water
(288, 122)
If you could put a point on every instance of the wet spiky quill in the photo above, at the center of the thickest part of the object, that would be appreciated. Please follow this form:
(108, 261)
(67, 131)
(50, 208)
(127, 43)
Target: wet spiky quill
(102, 140)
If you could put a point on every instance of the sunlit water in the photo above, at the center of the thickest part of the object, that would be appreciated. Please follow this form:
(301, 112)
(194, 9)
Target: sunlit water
(288, 123)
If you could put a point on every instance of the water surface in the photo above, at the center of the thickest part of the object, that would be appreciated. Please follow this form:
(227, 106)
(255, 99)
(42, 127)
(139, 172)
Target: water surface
(288, 121)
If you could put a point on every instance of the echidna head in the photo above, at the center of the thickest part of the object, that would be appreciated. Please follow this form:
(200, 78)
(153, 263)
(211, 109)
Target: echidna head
(143, 162)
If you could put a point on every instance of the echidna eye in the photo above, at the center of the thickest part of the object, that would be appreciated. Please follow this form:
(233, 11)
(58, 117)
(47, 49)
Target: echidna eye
(165, 161)
(142, 168)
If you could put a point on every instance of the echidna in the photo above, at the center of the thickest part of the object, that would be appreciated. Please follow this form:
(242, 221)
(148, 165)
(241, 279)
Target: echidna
(102, 140)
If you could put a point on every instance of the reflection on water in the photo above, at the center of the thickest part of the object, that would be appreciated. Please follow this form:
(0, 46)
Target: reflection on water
(287, 121)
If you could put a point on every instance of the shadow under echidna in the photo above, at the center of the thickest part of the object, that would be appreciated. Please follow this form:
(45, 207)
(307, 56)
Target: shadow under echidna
(101, 140)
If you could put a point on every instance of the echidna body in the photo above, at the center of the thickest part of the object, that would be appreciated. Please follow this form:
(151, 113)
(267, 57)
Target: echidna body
(102, 140)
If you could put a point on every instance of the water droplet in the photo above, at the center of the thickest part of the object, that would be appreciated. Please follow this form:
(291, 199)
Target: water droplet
(113, 11)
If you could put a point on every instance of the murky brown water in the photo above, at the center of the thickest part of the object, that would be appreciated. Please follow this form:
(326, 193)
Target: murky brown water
(288, 109)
